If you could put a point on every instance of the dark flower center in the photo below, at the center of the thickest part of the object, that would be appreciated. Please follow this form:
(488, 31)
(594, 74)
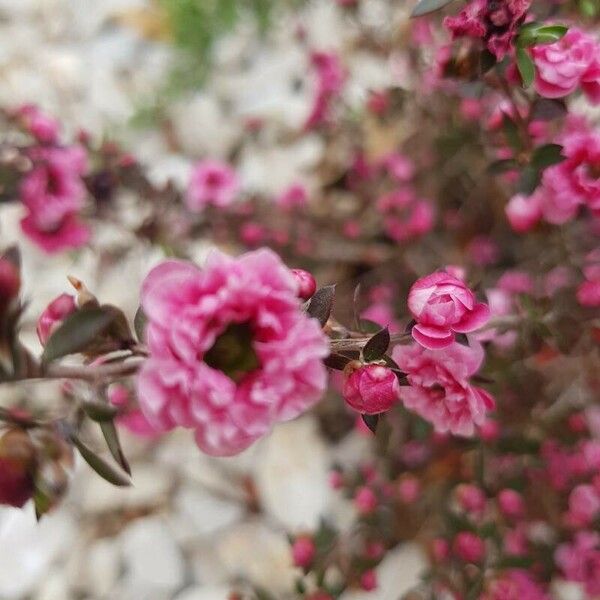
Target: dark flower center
(233, 353)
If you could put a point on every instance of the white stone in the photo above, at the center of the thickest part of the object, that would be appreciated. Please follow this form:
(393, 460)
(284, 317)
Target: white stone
(256, 552)
(204, 593)
(153, 562)
(27, 548)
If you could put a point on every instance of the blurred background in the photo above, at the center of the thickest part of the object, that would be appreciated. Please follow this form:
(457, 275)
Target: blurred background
(173, 81)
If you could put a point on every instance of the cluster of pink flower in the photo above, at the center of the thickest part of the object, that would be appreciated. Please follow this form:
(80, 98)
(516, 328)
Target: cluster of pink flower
(565, 187)
(53, 190)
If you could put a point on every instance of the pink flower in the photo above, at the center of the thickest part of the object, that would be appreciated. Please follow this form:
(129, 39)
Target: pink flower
(494, 22)
(10, 282)
(571, 62)
(471, 498)
(442, 305)
(54, 314)
(399, 166)
(368, 580)
(516, 584)
(39, 125)
(371, 389)
(212, 183)
(365, 500)
(580, 560)
(469, 547)
(511, 503)
(130, 416)
(584, 505)
(330, 81)
(439, 389)
(231, 352)
(53, 192)
(588, 293)
(303, 551)
(524, 212)
(295, 196)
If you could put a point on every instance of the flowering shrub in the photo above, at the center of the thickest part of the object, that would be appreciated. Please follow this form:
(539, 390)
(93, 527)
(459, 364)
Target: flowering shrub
(456, 323)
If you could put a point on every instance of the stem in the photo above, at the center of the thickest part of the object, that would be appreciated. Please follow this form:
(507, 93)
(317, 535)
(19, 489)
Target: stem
(88, 373)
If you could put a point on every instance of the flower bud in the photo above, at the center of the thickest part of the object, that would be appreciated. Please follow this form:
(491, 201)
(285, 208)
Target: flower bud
(371, 389)
(365, 500)
(368, 580)
(10, 282)
(511, 503)
(54, 314)
(469, 547)
(303, 551)
(470, 498)
(409, 489)
(17, 464)
(307, 284)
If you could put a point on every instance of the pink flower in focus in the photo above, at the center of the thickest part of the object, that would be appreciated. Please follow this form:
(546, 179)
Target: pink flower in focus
(371, 389)
(469, 547)
(231, 352)
(580, 560)
(53, 192)
(571, 62)
(439, 389)
(307, 285)
(442, 305)
(54, 314)
(212, 183)
(494, 22)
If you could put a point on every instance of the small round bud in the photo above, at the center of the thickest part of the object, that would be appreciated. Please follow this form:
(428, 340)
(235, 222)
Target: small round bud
(303, 551)
(54, 314)
(368, 580)
(469, 547)
(10, 282)
(371, 389)
(307, 284)
(511, 503)
(17, 464)
(365, 500)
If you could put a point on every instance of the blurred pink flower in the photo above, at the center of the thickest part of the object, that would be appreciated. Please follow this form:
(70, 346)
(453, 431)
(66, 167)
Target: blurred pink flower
(516, 584)
(53, 192)
(469, 547)
(42, 127)
(442, 305)
(439, 389)
(330, 82)
(212, 183)
(295, 196)
(231, 352)
(579, 560)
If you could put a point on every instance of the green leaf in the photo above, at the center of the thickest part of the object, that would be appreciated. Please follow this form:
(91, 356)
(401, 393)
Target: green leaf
(529, 180)
(99, 411)
(139, 323)
(111, 436)
(546, 156)
(535, 34)
(321, 304)
(77, 332)
(377, 346)
(501, 166)
(371, 421)
(589, 8)
(102, 467)
(511, 132)
(425, 7)
(526, 67)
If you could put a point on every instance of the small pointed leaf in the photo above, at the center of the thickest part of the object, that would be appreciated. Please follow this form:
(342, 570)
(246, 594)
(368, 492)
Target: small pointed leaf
(111, 435)
(526, 67)
(337, 361)
(377, 346)
(77, 332)
(101, 466)
(139, 324)
(321, 304)
(371, 421)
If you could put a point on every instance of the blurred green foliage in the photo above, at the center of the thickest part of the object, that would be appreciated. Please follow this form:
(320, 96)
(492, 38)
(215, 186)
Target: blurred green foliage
(195, 26)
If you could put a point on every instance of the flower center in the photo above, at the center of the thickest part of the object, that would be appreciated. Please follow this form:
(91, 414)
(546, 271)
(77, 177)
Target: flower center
(232, 353)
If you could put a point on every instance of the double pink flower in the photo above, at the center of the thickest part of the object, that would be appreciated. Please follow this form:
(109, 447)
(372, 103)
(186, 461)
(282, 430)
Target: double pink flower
(443, 305)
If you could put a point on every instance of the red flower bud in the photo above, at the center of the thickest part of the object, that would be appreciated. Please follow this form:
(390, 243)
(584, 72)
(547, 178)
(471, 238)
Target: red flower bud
(303, 551)
(307, 284)
(371, 389)
(58, 310)
(17, 462)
